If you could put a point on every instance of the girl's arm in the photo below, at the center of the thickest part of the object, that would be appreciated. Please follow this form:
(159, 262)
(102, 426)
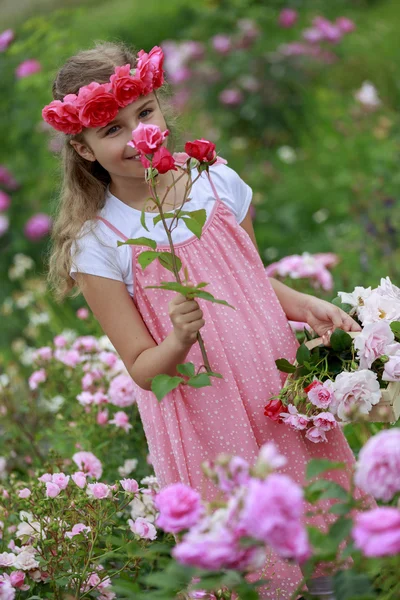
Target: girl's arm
(294, 304)
(121, 322)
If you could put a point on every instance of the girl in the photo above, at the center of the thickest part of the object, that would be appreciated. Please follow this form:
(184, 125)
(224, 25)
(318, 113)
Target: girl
(104, 191)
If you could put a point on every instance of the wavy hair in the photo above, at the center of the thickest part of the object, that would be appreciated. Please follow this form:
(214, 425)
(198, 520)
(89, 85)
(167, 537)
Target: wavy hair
(83, 182)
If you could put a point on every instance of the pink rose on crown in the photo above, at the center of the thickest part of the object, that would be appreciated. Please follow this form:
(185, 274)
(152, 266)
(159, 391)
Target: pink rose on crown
(97, 105)
(63, 116)
(149, 69)
(126, 88)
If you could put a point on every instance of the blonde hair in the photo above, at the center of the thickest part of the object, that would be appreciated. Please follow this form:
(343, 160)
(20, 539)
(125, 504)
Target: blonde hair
(84, 182)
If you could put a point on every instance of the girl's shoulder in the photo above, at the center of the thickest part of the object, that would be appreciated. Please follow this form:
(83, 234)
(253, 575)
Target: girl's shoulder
(231, 189)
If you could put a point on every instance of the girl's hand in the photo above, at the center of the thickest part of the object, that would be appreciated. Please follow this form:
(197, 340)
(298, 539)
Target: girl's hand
(324, 317)
(187, 319)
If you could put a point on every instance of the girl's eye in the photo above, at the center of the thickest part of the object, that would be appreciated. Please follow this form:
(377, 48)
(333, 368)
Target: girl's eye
(143, 113)
(111, 130)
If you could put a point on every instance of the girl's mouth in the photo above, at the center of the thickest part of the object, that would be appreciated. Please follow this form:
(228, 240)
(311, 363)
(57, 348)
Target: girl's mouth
(135, 158)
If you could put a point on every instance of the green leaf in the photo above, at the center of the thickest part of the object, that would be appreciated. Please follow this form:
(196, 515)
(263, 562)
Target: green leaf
(340, 509)
(322, 488)
(142, 241)
(340, 529)
(395, 327)
(316, 466)
(165, 259)
(210, 297)
(285, 366)
(340, 340)
(186, 369)
(303, 354)
(168, 215)
(161, 385)
(143, 219)
(199, 215)
(349, 585)
(193, 226)
(322, 544)
(173, 286)
(200, 380)
(146, 258)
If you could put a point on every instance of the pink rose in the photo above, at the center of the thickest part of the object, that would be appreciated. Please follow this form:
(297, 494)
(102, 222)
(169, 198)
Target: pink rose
(316, 435)
(4, 224)
(43, 353)
(231, 475)
(121, 420)
(24, 493)
(125, 87)
(61, 480)
(46, 477)
(7, 179)
(231, 97)
(147, 138)
(181, 158)
(377, 532)
(122, 391)
(345, 25)
(63, 115)
(108, 358)
(71, 358)
(76, 530)
(295, 419)
(102, 417)
(97, 106)
(331, 32)
(37, 227)
(88, 463)
(374, 341)
(150, 69)
(52, 490)
(392, 369)
(5, 201)
(378, 466)
(143, 528)
(82, 313)
(88, 343)
(320, 394)
(222, 43)
(6, 37)
(180, 507)
(130, 485)
(287, 18)
(355, 393)
(60, 341)
(17, 579)
(79, 478)
(28, 67)
(202, 150)
(98, 490)
(36, 378)
(325, 421)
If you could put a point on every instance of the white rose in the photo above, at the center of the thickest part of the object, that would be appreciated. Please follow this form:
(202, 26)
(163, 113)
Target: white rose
(26, 561)
(386, 288)
(379, 308)
(357, 298)
(7, 559)
(355, 393)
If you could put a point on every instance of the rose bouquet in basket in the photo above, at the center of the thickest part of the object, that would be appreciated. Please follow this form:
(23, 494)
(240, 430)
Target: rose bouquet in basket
(356, 377)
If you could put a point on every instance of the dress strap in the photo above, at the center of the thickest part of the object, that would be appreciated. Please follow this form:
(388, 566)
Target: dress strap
(214, 189)
(114, 229)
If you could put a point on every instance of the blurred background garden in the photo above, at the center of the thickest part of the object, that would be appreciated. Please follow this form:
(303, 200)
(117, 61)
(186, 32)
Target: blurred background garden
(300, 96)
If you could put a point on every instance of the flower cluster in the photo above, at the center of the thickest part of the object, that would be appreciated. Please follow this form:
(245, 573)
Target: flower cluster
(97, 104)
(345, 380)
(306, 266)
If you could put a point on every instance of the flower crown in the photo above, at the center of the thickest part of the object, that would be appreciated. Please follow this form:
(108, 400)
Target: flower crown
(97, 104)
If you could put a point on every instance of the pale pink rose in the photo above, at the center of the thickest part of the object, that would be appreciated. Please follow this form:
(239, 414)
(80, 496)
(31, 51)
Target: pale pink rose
(7, 559)
(231, 97)
(88, 463)
(378, 308)
(7, 592)
(28, 67)
(287, 18)
(180, 507)
(374, 341)
(6, 37)
(60, 341)
(147, 138)
(61, 480)
(79, 478)
(392, 369)
(355, 393)
(5, 201)
(102, 417)
(86, 343)
(44, 353)
(100, 398)
(85, 398)
(38, 227)
(295, 419)
(71, 358)
(312, 35)
(388, 289)
(76, 530)
(378, 466)
(45, 478)
(17, 579)
(108, 358)
(345, 25)
(36, 378)
(143, 528)
(130, 485)
(270, 457)
(232, 474)
(377, 532)
(325, 421)
(52, 490)
(316, 435)
(121, 420)
(82, 313)
(99, 490)
(24, 493)
(122, 391)
(180, 158)
(331, 32)
(320, 394)
(4, 224)
(222, 43)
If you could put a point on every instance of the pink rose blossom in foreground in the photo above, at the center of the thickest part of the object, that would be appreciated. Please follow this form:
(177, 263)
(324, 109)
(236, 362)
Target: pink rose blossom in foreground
(355, 393)
(4, 224)
(82, 313)
(378, 466)
(79, 478)
(320, 394)
(325, 421)
(180, 507)
(316, 435)
(17, 579)
(295, 419)
(287, 17)
(60, 479)
(36, 378)
(7, 592)
(45, 478)
(6, 37)
(147, 138)
(38, 227)
(24, 493)
(130, 485)
(232, 475)
(121, 420)
(143, 528)
(28, 67)
(52, 490)
(270, 457)
(5, 201)
(88, 463)
(99, 490)
(122, 391)
(377, 532)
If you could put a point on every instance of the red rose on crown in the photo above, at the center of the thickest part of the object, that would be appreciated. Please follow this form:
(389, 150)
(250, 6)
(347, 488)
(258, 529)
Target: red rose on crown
(97, 106)
(63, 116)
(126, 88)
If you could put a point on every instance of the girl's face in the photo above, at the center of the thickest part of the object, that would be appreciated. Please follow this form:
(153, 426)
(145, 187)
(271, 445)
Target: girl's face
(108, 145)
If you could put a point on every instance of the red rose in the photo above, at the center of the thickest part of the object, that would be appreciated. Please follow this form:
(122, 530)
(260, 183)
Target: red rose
(312, 385)
(149, 69)
(273, 409)
(97, 106)
(125, 87)
(202, 150)
(163, 161)
(63, 116)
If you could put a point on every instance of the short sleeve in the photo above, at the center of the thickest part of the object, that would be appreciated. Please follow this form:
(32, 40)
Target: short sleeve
(233, 191)
(95, 253)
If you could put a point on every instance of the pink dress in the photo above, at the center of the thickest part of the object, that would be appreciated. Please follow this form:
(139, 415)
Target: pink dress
(192, 425)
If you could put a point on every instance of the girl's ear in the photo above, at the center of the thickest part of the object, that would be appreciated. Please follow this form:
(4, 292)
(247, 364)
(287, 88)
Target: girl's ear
(83, 150)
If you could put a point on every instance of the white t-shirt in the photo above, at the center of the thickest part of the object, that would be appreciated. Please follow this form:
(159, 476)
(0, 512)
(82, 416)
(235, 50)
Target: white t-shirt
(96, 247)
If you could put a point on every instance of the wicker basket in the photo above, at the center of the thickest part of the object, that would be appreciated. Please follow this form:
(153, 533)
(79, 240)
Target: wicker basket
(388, 408)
